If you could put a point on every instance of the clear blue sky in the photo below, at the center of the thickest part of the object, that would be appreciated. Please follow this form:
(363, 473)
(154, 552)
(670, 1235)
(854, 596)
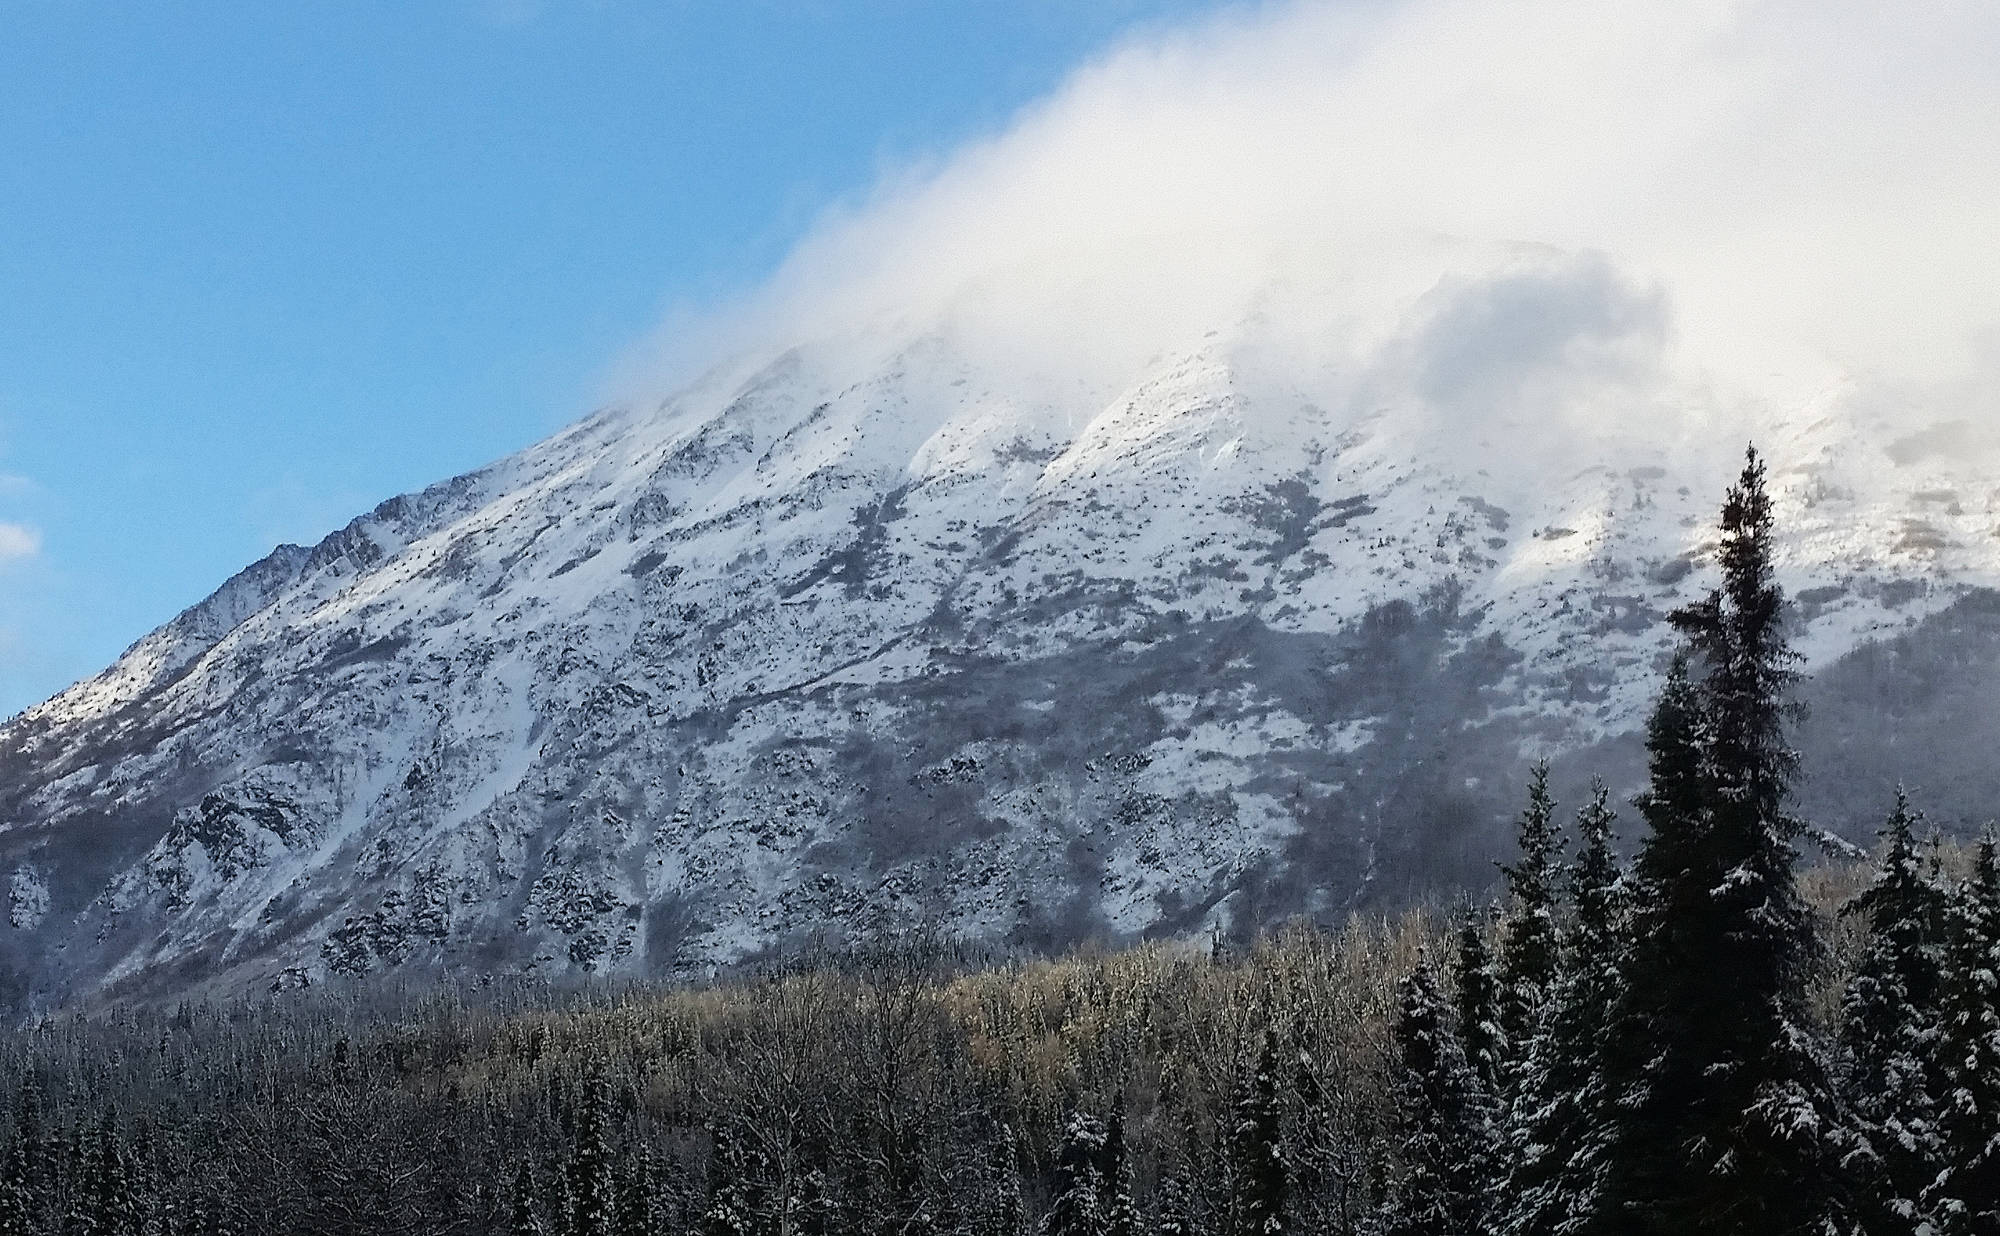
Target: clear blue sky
(263, 265)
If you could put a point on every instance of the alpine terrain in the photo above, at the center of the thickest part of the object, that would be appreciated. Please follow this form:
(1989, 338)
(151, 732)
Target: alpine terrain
(880, 635)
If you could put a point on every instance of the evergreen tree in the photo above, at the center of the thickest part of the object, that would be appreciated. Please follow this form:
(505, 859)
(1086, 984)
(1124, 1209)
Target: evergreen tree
(75, 1179)
(556, 1207)
(1727, 1121)
(1477, 985)
(1259, 1174)
(1009, 1213)
(27, 1184)
(1528, 945)
(634, 1210)
(1966, 1198)
(1176, 1206)
(1630, 1138)
(108, 1210)
(1121, 1213)
(1078, 1208)
(1561, 1094)
(1445, 1125)
(1889, 1045)
(17, 1198)
(525, 1221)
(591, 1191)
(155, 1203)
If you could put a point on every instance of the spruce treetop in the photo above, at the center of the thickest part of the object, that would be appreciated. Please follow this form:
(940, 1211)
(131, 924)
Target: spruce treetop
(1528, 946)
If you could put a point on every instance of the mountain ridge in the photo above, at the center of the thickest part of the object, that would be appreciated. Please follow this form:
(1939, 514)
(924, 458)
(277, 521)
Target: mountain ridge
(820, 645)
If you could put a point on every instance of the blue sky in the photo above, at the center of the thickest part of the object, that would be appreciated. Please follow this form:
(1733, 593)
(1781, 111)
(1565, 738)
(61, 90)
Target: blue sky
(264, 265)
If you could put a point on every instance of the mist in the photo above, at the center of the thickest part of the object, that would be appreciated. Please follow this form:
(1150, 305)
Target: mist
(1669, 217)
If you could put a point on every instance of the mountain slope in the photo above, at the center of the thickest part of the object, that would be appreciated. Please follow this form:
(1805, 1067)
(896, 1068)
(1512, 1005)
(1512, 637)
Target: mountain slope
(820, 645)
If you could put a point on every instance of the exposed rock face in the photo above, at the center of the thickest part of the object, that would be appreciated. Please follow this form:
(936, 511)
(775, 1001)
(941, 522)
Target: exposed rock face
(796, 653)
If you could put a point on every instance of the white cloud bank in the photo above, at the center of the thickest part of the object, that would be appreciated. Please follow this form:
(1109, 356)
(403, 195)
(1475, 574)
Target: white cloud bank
(1487, 201)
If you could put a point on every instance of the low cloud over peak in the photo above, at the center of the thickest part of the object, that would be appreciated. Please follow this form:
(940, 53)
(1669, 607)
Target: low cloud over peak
(1758, 197)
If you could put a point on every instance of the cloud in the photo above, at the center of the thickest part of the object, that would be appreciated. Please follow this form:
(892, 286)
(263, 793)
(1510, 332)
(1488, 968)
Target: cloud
(1514, 339)
(18, 541)
(1492, 199)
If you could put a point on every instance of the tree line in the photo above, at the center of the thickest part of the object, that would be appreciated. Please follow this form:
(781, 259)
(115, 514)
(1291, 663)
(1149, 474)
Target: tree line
(1694, 1040)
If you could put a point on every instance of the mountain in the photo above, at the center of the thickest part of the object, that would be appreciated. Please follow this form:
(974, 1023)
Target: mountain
(844, 639)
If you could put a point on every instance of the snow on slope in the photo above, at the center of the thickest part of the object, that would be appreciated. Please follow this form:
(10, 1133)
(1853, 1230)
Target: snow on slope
(817, 646)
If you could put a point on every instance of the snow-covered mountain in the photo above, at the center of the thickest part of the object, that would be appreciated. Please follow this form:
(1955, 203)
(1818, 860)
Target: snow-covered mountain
(822, 644)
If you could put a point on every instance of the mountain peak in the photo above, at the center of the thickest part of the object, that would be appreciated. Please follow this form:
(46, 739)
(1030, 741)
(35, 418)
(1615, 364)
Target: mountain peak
(799, 651)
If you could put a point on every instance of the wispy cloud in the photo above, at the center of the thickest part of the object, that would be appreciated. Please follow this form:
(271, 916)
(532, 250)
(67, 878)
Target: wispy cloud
(1763, 196)
(18, 541)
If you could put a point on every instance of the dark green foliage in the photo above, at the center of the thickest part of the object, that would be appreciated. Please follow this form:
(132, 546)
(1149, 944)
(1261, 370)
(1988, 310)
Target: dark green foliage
(1078, 1208)
(592, 1201)
(1259, 1174)
(1476, 984)
(556, 1205)
(26, 1184)
(1445, 1133)
(525, 1221)
(1121, 1211)
(17, 1195)
(1726, 1120)
(108, 1208)
(634, 1210)
(1009, 1217)
(1966, 1198)
(1561, 1097)
(1527, 967)
(1176, 1208)
(1890, 1057)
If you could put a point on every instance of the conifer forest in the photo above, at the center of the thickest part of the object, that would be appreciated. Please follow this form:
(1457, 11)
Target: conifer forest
(1681, 1015)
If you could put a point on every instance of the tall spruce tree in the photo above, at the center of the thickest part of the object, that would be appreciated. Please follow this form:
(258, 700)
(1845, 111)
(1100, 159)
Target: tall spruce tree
(1727, 1121)
(1890, 1058)
(29, 1168)
(1631, 1138)
(1078, 1208)
(1175, 1212)
(17, 1198)
(1528, 946)
(1476, 988)
(1561, 1093)
(1444, 1181)
(75, 1178)
(556, 1194)
(525, 1221)
(1121, 1211)
(634, 1208)
(109, 1209)
(1259, 1175)
(591, 1187)
(1966, 1197)
(1009, 1215)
